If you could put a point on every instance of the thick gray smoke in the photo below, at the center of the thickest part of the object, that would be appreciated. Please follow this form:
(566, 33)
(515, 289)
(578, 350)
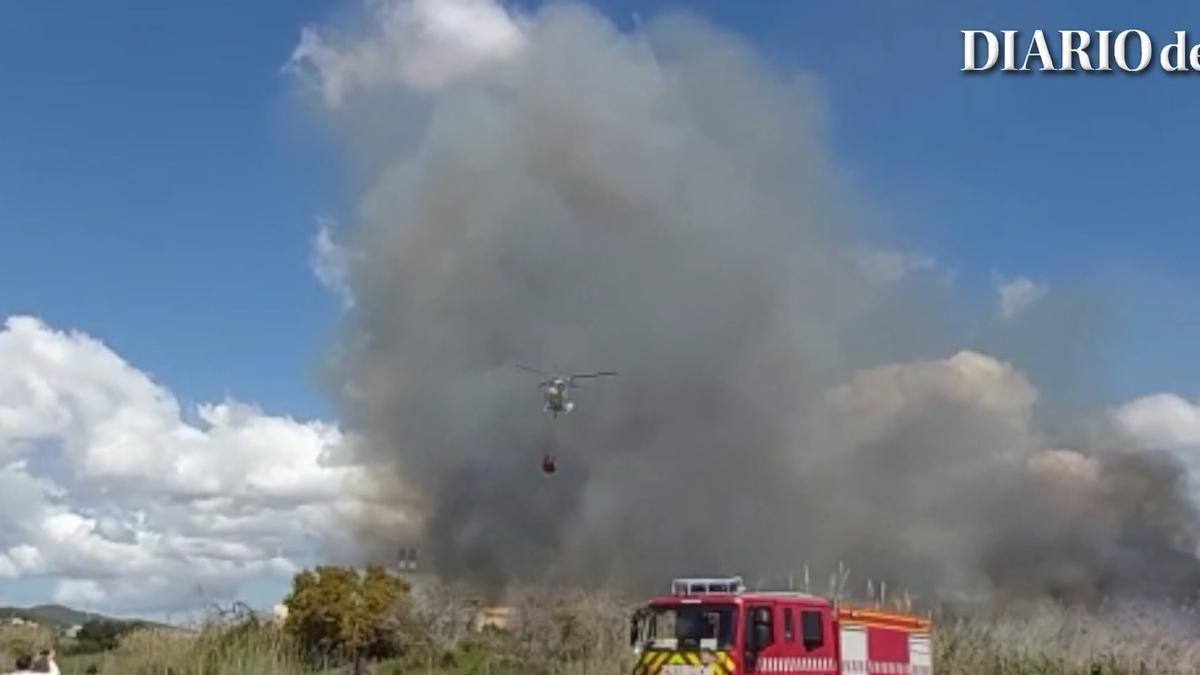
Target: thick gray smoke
(553, 191)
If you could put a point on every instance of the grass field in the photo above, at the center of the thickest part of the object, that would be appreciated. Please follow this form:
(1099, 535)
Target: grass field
(1039, 639)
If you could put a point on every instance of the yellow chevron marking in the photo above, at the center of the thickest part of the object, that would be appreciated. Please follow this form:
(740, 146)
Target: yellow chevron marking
(652, 662)
(723, 663)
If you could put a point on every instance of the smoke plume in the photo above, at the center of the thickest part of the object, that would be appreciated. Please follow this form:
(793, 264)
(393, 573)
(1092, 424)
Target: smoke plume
(552, 190)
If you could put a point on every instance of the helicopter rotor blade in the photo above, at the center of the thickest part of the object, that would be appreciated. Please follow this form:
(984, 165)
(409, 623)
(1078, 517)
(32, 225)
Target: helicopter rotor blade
(571, 380)
(602, 373)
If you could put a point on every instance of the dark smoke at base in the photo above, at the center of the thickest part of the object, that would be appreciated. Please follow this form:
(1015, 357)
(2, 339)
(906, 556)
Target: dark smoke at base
(464, 545)
(661, 203)
(1130, 528)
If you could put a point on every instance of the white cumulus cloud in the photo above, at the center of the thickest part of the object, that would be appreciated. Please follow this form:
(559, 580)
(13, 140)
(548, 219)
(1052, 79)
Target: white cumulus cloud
(106, 488)
(1163, 420)
(889, 266)
(330, 263)
(422, 44)
(1018, 295)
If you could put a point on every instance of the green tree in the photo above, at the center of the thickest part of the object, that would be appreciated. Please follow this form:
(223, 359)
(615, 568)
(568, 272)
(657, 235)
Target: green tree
(98, 635)
(341, 612)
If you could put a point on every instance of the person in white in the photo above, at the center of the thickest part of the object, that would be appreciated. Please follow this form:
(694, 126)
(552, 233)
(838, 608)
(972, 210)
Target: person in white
(44, 663)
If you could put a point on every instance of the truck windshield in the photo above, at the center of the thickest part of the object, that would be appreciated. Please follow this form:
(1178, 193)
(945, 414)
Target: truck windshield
(689, 626)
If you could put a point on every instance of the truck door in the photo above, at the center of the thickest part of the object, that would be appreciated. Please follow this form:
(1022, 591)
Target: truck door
(799, 644)
(760, 637)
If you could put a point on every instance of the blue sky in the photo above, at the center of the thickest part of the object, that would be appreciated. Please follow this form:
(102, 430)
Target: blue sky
(159, 184)
(160, 189)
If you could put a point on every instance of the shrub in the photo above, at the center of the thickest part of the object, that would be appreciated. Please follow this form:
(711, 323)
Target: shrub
(337, 612)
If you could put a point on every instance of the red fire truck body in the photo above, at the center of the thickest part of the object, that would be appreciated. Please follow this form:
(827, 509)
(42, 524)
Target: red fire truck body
(715, 627)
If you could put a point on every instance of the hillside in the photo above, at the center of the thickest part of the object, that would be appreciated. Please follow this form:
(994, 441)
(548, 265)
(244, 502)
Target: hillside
(55, 616)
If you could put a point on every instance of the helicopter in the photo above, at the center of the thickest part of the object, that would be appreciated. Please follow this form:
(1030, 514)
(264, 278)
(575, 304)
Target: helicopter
(558, 400)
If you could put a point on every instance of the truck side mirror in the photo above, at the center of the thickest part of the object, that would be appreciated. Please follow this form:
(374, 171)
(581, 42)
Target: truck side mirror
(636, 625)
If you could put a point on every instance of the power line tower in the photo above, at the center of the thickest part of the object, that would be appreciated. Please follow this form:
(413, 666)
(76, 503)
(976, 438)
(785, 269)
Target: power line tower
(406, 559)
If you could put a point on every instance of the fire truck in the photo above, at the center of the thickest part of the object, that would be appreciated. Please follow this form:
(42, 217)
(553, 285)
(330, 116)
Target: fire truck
(713, 626)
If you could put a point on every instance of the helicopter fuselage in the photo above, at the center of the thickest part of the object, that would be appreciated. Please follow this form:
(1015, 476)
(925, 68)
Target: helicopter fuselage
(557, 399)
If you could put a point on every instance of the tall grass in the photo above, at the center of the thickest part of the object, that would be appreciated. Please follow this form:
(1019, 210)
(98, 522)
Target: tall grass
(244, 649)
(1123, 639)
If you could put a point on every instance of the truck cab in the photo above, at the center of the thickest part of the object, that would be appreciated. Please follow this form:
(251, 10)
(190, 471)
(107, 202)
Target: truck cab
(713, 627)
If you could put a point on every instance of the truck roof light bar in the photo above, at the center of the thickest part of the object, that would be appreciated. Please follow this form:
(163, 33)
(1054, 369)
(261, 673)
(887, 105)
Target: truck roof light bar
(703, 585)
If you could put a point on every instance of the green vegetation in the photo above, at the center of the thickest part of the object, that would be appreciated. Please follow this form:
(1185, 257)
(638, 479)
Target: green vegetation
(341, 620)
(336, 612)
